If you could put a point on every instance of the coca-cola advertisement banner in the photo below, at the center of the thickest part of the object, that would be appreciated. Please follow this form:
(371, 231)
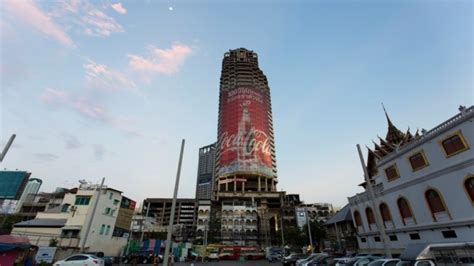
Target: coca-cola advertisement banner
(244, 134)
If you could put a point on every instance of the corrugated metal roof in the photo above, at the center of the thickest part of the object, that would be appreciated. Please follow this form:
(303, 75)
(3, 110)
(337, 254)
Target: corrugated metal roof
(42, 223)
(342, 215)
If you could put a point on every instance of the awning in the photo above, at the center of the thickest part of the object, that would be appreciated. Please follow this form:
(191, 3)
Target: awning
(10, 242)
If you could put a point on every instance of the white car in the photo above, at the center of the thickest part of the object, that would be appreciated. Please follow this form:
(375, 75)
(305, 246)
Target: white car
(384, 262)
(341, 261)
(80, 260)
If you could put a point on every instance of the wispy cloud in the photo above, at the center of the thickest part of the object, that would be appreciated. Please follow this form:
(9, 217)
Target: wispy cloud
(119, 8)
(86, 108)
(90, 19)
(164, 61)
(99, 151)
(28, 12)
(46, 156)
(102, 77)
(71, 141)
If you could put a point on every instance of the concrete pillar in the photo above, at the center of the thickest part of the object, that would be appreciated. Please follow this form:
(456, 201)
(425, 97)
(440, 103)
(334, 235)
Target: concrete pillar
(266, 184)
(243, 186)
(226, 186)
(273, 184)
(259, 186)
(235, 184)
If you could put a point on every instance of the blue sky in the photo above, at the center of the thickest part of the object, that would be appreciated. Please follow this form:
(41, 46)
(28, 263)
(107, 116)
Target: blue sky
(109, 88)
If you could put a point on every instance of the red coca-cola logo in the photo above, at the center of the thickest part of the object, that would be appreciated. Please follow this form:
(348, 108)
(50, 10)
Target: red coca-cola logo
(251, 141)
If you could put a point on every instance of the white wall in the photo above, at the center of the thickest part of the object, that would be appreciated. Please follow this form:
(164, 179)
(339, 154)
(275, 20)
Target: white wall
(447, 175)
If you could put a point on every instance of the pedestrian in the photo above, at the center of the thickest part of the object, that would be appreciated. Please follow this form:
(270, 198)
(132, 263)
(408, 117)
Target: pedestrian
(29, 260)
(134, 260)
(156, 260)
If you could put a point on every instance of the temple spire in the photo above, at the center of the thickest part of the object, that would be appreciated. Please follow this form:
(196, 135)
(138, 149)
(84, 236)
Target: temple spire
(390, 124)
(394, 135)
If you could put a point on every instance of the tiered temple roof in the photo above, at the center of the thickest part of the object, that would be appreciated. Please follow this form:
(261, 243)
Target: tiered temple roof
(394, 139)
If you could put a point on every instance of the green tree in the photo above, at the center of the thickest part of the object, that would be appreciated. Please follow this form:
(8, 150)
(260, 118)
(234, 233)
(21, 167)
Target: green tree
(53, 242)
(318, 233)
(294, 236)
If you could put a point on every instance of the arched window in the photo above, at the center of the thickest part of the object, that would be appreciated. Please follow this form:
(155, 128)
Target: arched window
(358, 220)
(435, 202)
(385, 212)
(469, 186)
(404, 208)
(370, 215)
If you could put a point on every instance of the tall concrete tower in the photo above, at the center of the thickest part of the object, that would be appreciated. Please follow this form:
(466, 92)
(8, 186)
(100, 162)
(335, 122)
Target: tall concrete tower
(246, 175)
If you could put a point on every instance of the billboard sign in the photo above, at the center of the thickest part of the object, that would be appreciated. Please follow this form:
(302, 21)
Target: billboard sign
(12, 184)
(244, 139)
(45, 254)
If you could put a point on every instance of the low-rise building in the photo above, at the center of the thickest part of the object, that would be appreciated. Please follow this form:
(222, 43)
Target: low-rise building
(159, 209)
(423, 184)
(66, 225)
(341, 232)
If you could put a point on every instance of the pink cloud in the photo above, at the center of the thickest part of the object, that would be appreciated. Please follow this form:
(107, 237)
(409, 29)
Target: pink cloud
(164, 61)
(87, 109)
(88, 18)
(101, 77)
(119, 8)
(97, 23)
(53, 96)
(30, 13)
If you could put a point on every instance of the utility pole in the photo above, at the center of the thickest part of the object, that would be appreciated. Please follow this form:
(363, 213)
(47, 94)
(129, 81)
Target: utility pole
(281, 224)
(309, 227)
(143, 224)
(7, 147)
(173, 207)
(89, 222)
(378, 218)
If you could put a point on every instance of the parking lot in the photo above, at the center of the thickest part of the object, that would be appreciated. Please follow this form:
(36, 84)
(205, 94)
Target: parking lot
(222, 263)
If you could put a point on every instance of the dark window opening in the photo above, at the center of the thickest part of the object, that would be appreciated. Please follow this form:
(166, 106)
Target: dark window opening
(392, 173)
(363, 240)
(377, 238)
(434, 201)
(449, 234)
(453, 145)
(417, 161)
(393, 238)
(370, 216)
(415, 236)
(469, 186)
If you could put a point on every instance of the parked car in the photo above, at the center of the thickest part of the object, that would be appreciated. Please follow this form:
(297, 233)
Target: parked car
(305, 261)
(80, 260)
(275, 254)
(361, 260)
(341, 261)
(437, 254)
(384, 262)
(98, 254)
(292, 258)
(143, 257)
(323, 260)
(213, 255)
